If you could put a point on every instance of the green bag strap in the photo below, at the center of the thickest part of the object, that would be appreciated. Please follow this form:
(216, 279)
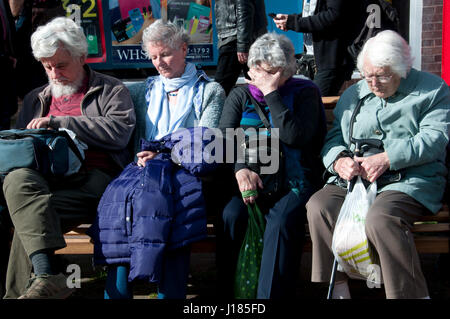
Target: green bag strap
(253, 209)
(249, 193)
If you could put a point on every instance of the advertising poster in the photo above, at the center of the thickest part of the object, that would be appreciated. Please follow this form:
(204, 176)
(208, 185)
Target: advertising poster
(128, 19)
(88, 14)
(196, 18)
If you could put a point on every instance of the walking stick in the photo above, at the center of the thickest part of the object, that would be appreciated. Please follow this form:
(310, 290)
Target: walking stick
(335, 262)
(332, 280)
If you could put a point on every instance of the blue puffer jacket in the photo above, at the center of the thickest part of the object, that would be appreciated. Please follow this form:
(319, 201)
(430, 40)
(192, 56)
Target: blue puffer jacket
(146, 210)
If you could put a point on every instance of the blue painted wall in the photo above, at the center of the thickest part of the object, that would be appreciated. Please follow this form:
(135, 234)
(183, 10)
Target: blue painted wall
(288, 7)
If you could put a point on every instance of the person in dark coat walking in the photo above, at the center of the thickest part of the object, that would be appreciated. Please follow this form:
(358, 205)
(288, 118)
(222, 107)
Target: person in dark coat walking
(8, 94)
(8, 106)
(238, 24)
(333, 26)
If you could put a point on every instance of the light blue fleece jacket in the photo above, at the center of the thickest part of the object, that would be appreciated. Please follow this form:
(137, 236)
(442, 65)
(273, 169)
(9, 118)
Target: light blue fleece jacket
(413, 125)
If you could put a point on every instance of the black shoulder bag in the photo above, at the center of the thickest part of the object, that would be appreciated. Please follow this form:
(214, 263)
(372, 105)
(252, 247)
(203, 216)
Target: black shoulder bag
(272, 183)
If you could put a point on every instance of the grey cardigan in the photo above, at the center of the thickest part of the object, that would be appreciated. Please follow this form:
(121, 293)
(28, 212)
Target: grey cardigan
(211, 110)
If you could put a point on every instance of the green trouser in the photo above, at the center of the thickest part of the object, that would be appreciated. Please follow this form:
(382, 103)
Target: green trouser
(42, 210)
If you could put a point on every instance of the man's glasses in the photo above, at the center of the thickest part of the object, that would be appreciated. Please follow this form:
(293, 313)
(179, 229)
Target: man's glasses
(379, 78)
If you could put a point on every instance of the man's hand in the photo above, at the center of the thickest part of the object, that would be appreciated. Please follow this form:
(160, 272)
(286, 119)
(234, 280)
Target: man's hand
(40, 122)
(280, 21)
(242, 57)
(347, 168)
(145, 156)
(373, 166)
(248, 181)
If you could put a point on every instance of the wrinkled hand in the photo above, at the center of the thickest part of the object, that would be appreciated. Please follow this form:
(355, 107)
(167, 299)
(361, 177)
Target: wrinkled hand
(373, 166)
(40, 122)
(145, 156)
(266, 82)
(242, 57)
(347, 168)
(280, 21)
(248, 181)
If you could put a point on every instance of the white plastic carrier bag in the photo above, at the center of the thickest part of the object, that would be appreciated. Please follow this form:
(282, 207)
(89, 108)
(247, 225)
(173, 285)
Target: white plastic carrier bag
(350, 245)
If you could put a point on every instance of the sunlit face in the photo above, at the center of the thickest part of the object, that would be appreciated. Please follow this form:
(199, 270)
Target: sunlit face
(381, 80)
(169, 62)
(64, 69)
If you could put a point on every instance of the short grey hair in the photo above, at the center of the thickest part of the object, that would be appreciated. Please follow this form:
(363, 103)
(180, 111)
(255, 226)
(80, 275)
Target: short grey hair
(274, 49)
(61, 33)
(387, 49)
(164, 32)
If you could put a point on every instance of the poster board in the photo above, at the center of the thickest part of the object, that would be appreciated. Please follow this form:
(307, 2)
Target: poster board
(126, 20)
(89, 14)
(113, 28)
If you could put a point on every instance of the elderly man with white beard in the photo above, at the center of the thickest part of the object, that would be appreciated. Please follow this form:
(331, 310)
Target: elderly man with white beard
(99, 110)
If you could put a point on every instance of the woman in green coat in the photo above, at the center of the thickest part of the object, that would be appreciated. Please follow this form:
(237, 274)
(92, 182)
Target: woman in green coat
(408, 112)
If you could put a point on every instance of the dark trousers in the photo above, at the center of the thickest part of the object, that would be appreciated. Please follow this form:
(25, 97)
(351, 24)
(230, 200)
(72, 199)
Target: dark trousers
(283, 241)
(228, 66)
(330, 80)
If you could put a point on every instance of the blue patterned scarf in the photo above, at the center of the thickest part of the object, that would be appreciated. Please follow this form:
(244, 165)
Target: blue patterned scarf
(163, 118)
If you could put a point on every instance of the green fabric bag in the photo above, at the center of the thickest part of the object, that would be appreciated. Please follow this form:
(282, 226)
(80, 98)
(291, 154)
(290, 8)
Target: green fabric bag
(249, 260)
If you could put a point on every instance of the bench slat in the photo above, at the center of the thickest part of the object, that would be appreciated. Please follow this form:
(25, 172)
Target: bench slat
(427, 228)
(78, 247)
(432, 244)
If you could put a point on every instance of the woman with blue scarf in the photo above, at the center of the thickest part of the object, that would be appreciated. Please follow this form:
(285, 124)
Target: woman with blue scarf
(179, 97)
(294, 109)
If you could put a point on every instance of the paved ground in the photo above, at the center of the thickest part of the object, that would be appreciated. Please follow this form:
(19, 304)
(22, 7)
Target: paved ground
(203, 277)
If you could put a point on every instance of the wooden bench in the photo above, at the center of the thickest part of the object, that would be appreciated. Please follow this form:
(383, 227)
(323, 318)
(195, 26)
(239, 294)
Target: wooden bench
(432, 233)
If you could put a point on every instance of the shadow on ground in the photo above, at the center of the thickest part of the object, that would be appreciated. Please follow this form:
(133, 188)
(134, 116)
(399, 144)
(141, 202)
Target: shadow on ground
(202, 280)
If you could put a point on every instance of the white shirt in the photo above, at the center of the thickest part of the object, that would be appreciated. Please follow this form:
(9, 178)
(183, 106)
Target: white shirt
(309, 6)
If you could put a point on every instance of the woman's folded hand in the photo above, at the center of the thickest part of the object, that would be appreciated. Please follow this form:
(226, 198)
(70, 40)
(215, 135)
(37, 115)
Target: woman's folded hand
(145, 156)
(248, 181)
(373, 166)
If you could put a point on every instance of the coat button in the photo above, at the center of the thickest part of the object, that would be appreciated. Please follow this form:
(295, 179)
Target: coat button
(378, 132)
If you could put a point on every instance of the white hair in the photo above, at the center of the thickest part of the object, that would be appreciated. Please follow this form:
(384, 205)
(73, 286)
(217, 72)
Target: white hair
(61, 33)
(387, 49)
(274, 49)
(164, 32)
